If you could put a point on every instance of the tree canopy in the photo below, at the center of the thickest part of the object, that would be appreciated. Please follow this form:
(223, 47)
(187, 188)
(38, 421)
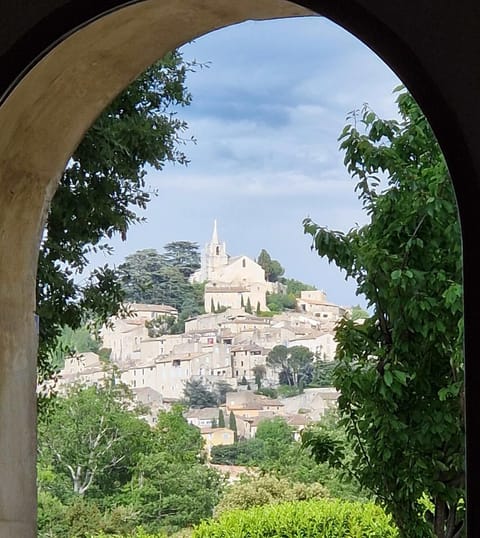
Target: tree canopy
(273, 269)
(99, 195)
(295, 364)
(92, 438)
(146, 277)
(102, 467)
(400, 372)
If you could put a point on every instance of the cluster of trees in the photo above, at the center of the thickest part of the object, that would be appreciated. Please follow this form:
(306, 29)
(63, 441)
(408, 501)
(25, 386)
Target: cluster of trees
(273, 269)
(102, 467)
(197, 395)
(274, 452)
(150, 277)
(298, 367)
(295, 364)
(287, 299)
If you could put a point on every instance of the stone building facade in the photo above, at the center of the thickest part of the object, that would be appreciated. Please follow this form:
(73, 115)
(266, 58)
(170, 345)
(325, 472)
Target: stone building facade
(230, 282)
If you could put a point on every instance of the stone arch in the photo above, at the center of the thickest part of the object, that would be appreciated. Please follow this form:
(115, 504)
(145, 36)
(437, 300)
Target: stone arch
(64, 60)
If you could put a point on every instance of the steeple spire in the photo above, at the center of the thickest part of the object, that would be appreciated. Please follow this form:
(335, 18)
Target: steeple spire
(215, 233)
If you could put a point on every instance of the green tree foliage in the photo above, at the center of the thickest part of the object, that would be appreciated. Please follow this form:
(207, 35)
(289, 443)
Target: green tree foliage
(220, 389)
(267, 489)
(162, 483)
(259, 371)
(90, 439)
(400, 372)
(197, 395)
(97, 197)
(184, 255)
(295, 364)
(277, 453)
(241, 453)
(221, 419)
(322, 373)
(276, 436)
(359, 313)
(232, 424)
(295, 287)
(172, 487)
(273, 269)
(147, 278)
(327, 517)
(278, 302)
(248, 306)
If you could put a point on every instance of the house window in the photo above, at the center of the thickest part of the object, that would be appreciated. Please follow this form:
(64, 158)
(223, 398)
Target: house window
(244, 263)
(217, 251)
(176, 362)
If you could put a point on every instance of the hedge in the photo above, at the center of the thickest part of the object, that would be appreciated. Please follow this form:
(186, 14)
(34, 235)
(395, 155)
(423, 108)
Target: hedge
(306, 519)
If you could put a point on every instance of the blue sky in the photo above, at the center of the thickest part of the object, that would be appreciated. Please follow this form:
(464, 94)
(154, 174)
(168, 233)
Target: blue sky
(266, 115)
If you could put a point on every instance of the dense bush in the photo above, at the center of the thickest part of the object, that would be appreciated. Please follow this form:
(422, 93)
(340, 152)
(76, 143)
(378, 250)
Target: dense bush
(332, 518)
(141, 533)
(262, 490)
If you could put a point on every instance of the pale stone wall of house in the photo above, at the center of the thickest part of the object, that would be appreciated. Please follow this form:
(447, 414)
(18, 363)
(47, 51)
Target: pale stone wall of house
(141, 376)
(324, 345)
(312, 402)
(124, 339)
(163, 345)
(216, 437)
(316, 303)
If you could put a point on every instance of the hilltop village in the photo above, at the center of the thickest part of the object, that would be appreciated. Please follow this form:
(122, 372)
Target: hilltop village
(229, 346)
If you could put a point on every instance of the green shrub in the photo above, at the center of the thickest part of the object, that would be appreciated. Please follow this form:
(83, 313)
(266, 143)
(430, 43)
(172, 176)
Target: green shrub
(262, 490)
(139, 533)
(267, 391)
(308, 519)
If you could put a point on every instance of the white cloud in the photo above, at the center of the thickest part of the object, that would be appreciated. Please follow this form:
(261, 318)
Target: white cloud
(267, 114)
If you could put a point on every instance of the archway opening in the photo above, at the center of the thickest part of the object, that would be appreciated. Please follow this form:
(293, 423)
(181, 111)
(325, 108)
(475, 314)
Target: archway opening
(30, 222)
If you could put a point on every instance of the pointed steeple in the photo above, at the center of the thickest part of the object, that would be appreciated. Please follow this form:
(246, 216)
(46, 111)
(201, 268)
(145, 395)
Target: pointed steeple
(214, 240)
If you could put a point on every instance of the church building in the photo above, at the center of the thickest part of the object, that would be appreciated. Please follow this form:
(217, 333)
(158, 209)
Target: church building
(230, 281)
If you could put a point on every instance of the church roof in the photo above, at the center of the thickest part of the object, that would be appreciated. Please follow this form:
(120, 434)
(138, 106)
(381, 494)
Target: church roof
(225, 289)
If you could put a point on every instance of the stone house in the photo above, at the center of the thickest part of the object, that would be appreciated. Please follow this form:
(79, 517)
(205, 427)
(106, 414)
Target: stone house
(315, 303)
(85, 368)
(202, 418)
(215, 437)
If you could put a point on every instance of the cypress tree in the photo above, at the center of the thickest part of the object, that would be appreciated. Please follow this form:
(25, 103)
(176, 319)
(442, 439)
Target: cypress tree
(232, 424)
(212, 306)
(221, 419)
(248, 308)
